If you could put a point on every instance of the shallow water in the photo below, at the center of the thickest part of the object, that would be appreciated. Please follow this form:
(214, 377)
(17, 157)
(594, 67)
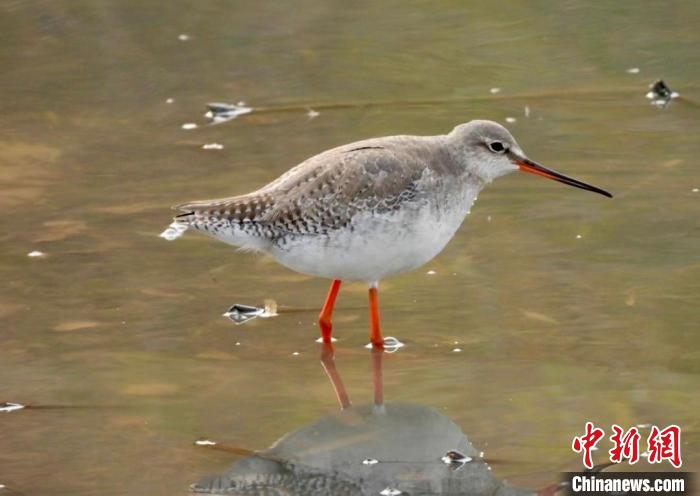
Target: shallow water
(567, 306)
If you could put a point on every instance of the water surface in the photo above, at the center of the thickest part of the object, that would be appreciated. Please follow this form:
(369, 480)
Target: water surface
(567, 306)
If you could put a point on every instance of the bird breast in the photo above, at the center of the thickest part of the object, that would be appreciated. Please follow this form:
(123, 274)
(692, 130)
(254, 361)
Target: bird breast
(385, 236)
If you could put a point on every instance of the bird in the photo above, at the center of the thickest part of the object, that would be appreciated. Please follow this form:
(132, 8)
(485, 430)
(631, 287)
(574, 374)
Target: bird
(367, 210)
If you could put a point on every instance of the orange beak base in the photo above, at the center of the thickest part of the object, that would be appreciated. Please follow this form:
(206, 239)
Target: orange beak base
(527, 165)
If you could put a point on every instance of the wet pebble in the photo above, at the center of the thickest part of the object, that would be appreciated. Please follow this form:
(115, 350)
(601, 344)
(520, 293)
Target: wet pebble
(205, 442)
(8, 407)
(454, 457)
(661, 94)
(213, 146)
(240, 313)
(390, 491)
(222, 112)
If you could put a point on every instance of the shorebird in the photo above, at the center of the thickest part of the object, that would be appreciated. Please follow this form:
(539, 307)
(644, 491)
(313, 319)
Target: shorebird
(369, 209)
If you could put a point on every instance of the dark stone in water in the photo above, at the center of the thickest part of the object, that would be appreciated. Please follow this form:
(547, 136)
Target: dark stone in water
(660, 90)
(242, 313)
(222, 112)
(661, 94)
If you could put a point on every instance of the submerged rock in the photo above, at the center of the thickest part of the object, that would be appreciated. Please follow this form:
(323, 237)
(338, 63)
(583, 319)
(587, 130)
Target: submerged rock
(240, 313)
(660, 94)
(222, 112)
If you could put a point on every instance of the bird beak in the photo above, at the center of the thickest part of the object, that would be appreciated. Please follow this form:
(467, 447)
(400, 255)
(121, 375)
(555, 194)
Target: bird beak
(527, 165)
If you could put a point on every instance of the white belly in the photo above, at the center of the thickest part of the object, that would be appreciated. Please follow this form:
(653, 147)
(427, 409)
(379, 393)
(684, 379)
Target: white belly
(376, 246)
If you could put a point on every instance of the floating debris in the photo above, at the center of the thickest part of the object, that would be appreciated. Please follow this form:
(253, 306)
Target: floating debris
(8, 407)
(174, 231)
(189, 125)
(455, 459)
(391, 344)
(36, 254)
(660, 94)
(312, 114)
(320, 340)
(223, 112)
(511, 120)
(169, 100)
(184, 37)
(243, 313)
(495, 90)
(633, 70)
(205, 442)
(390, 491)
(213, 146)
(369, 461)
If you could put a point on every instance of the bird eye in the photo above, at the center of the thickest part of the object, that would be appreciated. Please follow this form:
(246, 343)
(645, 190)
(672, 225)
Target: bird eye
(496, 147)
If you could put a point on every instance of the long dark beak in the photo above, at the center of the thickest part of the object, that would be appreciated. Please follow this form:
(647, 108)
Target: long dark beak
(527, 165)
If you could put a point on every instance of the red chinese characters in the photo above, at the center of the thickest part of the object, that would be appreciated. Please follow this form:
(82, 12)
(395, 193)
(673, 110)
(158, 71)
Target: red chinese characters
(625, 445)
(665, 445)
(586, 443)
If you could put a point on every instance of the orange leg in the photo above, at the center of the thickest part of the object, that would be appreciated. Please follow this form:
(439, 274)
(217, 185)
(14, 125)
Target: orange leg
(324, 319)
(375, 333)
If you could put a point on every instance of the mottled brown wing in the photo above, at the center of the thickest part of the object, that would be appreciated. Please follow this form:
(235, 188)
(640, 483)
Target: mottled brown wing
(327, 190)
(330, 188)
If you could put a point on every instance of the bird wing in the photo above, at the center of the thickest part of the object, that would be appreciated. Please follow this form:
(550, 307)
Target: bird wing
(327, 190)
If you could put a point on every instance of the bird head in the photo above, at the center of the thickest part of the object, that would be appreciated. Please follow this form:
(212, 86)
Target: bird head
(489, 151)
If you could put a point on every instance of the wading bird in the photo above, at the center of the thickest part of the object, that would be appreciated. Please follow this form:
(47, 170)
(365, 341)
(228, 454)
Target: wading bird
(370, 209)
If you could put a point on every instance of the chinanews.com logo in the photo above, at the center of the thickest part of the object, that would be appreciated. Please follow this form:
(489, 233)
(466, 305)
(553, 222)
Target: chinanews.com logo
(661, 445)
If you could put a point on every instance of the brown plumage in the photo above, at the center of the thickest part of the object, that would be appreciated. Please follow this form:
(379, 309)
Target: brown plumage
(327, 190)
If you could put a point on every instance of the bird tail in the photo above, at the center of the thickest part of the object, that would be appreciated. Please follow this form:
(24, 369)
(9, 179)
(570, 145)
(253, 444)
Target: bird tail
(181, 222)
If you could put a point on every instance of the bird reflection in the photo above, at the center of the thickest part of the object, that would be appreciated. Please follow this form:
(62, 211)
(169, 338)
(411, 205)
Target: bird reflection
(377, 449)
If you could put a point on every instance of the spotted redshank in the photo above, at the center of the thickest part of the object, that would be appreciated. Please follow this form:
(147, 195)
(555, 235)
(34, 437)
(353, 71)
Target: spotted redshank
(367, 210)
